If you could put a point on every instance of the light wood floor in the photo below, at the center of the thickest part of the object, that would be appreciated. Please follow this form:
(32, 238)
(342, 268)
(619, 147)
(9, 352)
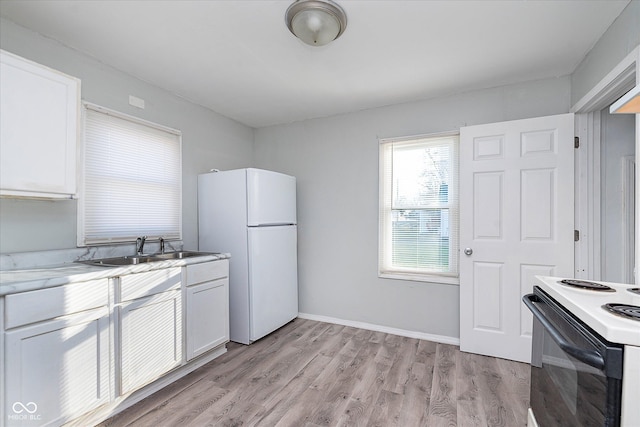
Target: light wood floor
(318, 374)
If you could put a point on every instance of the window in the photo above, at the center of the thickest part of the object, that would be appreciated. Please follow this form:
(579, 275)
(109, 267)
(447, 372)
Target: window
(419, 208)
(132, 179)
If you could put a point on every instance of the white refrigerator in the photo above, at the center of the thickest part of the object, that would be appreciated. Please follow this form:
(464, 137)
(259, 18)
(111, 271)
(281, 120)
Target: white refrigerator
(251, 213)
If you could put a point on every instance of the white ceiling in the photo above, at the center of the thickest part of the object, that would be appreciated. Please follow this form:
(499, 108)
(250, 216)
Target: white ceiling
(239, 59)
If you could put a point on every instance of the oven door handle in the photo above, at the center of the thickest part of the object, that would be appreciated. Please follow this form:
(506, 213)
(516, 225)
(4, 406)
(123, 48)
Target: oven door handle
(590, 357)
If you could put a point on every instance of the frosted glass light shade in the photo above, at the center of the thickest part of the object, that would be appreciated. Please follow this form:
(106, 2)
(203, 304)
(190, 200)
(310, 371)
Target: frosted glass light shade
(316, 22)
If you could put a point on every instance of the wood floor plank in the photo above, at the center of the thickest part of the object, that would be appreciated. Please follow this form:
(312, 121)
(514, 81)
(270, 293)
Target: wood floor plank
(515, 387)
(401, 366)
(492, 389)
(185, 406)
(470, 410)
(366, 390)
(386, 411)
(443, 404)
(281, 402)
(337, 396)
(417, 396)
(313, 374)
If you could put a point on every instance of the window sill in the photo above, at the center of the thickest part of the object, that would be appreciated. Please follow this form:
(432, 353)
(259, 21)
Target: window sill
(430, 278)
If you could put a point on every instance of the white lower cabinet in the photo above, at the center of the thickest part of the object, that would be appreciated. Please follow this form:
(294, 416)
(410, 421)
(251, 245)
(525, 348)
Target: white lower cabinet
(207, 306)
(56, 369)
(150, 327)
(88, 350)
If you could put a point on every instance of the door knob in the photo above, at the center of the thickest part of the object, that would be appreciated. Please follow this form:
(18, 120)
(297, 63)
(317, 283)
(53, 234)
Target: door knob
(468, 251)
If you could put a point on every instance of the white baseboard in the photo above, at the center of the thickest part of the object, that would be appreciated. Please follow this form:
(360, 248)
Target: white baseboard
(378, 328)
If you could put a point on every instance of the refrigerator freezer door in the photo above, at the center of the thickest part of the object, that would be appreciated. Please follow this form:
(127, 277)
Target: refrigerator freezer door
(273, 278)
(271, 198)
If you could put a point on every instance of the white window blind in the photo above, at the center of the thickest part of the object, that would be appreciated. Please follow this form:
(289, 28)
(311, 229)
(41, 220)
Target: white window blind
(419, 208)
(132, 180)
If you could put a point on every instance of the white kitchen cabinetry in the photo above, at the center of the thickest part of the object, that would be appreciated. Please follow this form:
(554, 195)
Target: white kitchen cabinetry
(87, 350)
(207, 310)
(150, 326)
(38, 129)
(57, 353)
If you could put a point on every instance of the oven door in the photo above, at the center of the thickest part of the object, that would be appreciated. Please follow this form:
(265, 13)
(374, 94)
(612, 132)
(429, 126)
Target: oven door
(576, 375)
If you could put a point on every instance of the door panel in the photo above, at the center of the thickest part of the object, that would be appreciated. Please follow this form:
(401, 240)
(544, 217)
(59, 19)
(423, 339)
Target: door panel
(488, 205)
(58, 368)
(516, 214)
(488, 287)
(273, 278)
(150, 338)
(207, 316)
(271, 198)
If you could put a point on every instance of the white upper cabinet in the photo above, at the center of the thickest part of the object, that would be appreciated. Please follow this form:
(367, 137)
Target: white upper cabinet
(38, 129)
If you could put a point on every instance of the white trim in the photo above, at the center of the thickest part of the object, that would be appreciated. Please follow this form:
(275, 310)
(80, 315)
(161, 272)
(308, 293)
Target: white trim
(621, 107)
(416, 277)
(587, 196)
(418, 137)
(637, 220)
(133, 119)
(628, 218)
(385, 205)
(615, 84)
(379, 328)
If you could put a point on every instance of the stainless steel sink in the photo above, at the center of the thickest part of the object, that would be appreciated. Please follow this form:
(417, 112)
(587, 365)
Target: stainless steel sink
(121, 260)
(181, 254)
(140, 259)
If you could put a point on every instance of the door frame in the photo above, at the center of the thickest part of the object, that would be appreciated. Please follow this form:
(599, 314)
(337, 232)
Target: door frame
(616, 83)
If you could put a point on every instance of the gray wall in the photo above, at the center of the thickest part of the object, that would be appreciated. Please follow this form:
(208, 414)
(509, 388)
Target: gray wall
(614, 45)
(209, 140)
(336, 162)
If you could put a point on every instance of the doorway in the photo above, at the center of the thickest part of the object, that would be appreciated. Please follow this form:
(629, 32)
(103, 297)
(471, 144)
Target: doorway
(617, 197)
(605, 200)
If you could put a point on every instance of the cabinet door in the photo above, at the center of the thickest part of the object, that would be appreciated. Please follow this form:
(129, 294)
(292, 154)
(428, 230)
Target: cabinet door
(58, 369)
(38, 129)
(207, 316)
(150, 338)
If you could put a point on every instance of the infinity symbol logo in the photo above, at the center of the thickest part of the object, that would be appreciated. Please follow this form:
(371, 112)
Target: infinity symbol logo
(19, 407)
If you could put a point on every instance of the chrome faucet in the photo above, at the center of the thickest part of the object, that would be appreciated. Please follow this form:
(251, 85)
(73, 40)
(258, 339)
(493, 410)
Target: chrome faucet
(161, 245)
(140, 244)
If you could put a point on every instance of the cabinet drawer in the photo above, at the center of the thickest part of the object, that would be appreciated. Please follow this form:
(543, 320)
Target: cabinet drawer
(149, 283)
(206, 271)
(43, 304)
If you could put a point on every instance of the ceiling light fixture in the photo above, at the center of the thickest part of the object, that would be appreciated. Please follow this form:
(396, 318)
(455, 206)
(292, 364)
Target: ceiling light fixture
(316, 22)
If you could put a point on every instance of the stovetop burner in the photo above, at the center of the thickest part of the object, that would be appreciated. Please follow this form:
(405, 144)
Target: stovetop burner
(624, 310)
(634, 290)
(591, 286)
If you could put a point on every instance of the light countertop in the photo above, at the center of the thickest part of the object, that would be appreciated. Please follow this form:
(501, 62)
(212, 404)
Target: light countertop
(29, 279)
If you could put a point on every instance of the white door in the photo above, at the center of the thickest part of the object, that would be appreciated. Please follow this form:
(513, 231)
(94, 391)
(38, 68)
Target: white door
(516, 221)
(273, 278)
(271, 198)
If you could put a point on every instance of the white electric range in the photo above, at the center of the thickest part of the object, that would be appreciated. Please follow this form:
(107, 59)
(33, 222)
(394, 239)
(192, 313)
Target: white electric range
(585, 371)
